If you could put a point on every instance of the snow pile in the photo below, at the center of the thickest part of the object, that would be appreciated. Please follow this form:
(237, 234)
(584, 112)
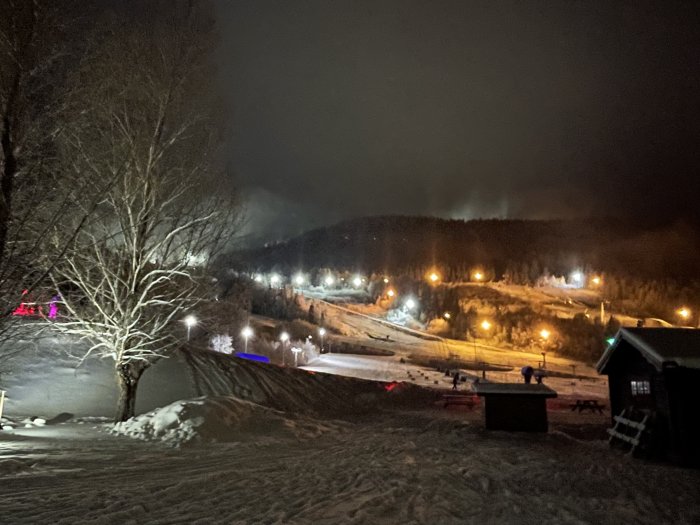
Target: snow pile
(220, 419)
(13, 466)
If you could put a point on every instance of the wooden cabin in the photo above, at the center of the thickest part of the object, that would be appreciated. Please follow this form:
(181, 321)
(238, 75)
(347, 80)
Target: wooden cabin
(656, 372)
(515, 406)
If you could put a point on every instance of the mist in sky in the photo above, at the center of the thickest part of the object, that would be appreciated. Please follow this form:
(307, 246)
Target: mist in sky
(461, 109)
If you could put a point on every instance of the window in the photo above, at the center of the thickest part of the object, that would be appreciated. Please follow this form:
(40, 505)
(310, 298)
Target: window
(640, 388)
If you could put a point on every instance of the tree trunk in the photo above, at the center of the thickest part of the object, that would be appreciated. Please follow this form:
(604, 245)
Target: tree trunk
(128, 375)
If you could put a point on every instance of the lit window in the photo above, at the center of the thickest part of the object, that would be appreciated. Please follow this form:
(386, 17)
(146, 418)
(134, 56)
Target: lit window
(640, 388)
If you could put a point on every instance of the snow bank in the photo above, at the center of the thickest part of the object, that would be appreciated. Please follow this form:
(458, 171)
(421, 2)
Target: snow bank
(220, 419)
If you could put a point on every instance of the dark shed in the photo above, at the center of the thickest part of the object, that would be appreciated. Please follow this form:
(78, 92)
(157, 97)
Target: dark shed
(656, 371)
(515, 406)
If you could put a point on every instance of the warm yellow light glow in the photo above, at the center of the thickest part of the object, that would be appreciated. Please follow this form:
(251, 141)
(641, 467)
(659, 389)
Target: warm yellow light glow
(684, 312)
(485, 324)
(446, 315)
(284, 337)
(544, 334)
(478, 276)
(596, 280)
(386, 281)
(390, 293)
(434, 277)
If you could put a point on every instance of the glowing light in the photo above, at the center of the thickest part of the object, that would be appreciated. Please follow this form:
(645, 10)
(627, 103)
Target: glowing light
(446, 315)
(190, 321)
(577, 277)
(434, 277)
(299, 279)
(253, 357)
(284, 337)
(596, 280)
(247, 332)
(257, 278)
(410, 304)
(389, 387)
(322, 331)
(274, 278)
(478, 276)
(544, 334)
(386, 280)
(357, 282)
(684, 312)
(329, 280)
(485, 324)
(610, 340)
(390, 293)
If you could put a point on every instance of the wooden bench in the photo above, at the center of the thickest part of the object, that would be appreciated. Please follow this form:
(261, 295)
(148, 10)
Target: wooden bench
(457, 399)
(587, 404)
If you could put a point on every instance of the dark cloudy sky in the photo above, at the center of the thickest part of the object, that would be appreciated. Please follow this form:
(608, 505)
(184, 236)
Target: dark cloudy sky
(462, 108)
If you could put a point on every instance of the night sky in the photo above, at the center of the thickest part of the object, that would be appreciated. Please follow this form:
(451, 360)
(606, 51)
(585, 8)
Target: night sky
(462, 109)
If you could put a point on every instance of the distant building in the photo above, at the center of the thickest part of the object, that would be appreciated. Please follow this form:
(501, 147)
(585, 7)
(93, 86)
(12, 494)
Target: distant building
(656, 371)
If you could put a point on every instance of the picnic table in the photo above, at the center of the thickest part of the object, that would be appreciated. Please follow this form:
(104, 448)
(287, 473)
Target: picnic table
(459, 399)
(591, 405)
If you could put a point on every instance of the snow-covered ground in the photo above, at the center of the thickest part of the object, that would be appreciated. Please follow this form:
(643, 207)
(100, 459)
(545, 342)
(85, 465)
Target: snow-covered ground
(431, 466)
(240, 442)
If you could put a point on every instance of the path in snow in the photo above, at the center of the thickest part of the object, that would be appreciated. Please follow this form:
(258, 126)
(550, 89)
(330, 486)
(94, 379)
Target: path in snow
(395, 467)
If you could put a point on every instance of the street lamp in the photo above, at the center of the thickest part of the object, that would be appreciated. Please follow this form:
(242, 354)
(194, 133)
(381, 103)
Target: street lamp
(329, 280)
(577, 278)
(684, 313)
(390, 293)
(386, 280)
(274, 279)
(446, 315)
(410, 304)
(321, 332)
(544, 334)
(190, 321)
(596, 280)
(296, 351)
(284, 337)
(357, 281)
(434, 277)
(299, 279)
(478, 276)
(485, 325)
(247, 333)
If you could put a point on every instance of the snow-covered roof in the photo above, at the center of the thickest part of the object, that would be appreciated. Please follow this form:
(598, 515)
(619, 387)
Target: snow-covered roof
(511, 389)
(661, 347)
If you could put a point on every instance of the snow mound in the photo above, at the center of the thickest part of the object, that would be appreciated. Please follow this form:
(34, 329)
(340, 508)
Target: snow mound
(13, 466)
(221, 419)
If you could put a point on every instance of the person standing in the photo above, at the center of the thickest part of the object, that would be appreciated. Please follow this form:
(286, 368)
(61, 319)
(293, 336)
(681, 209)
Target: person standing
(455, 380)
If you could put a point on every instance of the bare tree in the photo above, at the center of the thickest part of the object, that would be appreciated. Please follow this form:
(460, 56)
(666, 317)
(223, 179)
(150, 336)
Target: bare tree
(146, 123)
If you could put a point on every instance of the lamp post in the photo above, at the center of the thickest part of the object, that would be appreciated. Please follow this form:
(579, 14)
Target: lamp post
(296, 355)
(485, 325)
(544, 334)
(190, 321)
(321, 332)
(284, 337)
(247, 333)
